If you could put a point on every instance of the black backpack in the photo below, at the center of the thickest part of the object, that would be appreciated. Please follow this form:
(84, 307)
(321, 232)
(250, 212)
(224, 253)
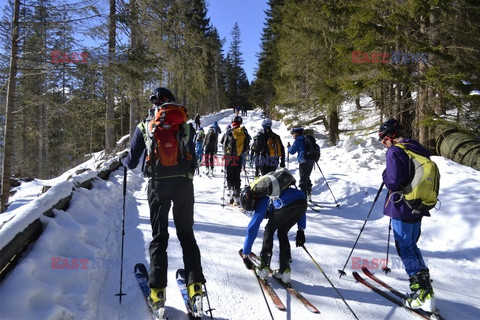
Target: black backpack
(211, 139)
(312, 149)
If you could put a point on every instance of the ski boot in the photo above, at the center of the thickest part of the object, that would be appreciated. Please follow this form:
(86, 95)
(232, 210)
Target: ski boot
(156, 301)
(195, 294)
(422, 296)
(264, 268)
(284, 272)
(236, 197)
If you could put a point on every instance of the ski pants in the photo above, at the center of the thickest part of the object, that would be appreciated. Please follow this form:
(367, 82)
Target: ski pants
(281, 221)
(178, 190)
(233, 168)
(209, 157)
(305, 169)
(198, 149)
(406, 235)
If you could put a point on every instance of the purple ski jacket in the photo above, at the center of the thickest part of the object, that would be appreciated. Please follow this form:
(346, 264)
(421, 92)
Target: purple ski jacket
(396, 176)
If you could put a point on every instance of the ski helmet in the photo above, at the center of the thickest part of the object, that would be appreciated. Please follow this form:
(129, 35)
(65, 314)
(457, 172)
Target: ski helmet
(161, 95)
(247, 200)
(267, 123)
(298, 130)
(391, 128)
(237, 121)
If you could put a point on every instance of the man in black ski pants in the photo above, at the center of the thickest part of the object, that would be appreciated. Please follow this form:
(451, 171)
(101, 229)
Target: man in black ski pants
(169, 184)
(235, 143)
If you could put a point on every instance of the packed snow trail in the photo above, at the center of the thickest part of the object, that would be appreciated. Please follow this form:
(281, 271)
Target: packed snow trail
(91, 229)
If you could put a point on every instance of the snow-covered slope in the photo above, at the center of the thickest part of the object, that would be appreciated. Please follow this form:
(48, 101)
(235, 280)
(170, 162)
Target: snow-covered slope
(88, 237)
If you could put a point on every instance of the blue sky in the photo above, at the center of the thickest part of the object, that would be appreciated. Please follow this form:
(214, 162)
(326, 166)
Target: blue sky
(250, 16)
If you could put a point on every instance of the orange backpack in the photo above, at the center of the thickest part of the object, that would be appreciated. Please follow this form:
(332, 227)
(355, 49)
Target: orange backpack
(169, 138)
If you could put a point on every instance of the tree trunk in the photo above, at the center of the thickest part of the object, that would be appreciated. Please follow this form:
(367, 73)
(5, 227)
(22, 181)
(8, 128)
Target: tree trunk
(110, 112)
(333, 126)
(136, 85)
(422, 107)
(9, 121)
(357, 103)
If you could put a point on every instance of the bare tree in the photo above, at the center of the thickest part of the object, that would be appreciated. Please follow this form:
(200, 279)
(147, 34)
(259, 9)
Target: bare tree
(110, 113)
(9, 122)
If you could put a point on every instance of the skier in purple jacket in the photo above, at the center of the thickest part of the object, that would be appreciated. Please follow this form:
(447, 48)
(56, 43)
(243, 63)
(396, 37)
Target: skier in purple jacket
(406, 225)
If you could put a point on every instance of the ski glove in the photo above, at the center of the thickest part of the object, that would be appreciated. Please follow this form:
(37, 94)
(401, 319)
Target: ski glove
(248, 263)
(300, 238)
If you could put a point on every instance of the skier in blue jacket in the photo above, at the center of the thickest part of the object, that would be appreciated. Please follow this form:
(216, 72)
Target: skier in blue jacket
(282, 214)
(305, 165)
(406, 225)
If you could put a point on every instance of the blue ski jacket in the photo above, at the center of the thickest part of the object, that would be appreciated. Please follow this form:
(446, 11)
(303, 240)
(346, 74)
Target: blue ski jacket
(298, 146)
(263, 211)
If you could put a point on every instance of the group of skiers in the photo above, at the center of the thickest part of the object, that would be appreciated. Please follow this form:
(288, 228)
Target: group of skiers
(287, 208)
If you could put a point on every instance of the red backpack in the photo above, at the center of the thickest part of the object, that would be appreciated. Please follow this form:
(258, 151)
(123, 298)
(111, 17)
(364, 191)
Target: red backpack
(170, 134)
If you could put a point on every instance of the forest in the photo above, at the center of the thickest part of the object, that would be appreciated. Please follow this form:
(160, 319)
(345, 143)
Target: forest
(83, 70)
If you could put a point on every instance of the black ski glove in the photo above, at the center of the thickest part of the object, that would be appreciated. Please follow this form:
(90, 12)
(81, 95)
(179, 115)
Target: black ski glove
(248, 263)
(288, 144)
(300, 238)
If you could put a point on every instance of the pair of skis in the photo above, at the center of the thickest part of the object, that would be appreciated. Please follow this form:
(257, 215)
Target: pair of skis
(397, 298)
(267, 288)
(141, 275)
(315, 206)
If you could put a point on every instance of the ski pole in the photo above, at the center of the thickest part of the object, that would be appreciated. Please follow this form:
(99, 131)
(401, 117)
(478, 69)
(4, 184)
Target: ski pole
(247, 180)
(120, 294)
(386, 269)
(224, 187)
(208, 302)
(338, 205)
(263, 293)
(288, 156)
(342, 272)
(333, 286)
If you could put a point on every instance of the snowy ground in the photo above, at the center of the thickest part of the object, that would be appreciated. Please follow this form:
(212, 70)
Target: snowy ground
(88, 236)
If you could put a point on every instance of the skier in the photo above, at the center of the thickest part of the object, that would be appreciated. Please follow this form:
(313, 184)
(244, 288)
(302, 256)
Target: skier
(406, 225)
(167, 184)
(197, 121)
(282, 214)
(217, 128)
(235, 143)
(254, 150)
(199, 137)
(305, 165)
(210, 148)
(269, 150)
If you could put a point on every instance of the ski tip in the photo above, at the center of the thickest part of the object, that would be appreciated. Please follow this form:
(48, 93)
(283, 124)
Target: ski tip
(180, 271)
(140, 268)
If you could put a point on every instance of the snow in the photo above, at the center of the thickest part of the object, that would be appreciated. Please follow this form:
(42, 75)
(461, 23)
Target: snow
(73, 270)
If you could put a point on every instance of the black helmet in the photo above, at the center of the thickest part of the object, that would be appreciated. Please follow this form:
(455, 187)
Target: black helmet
(392, 129)
(298, 130)
(161, 95)
(247, 200)
(238, 120)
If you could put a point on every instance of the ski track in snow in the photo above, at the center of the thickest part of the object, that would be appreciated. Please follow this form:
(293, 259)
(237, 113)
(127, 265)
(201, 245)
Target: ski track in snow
(91, 229)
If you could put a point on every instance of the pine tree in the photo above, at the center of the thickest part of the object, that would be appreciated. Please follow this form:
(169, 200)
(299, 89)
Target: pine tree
(237, 82)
